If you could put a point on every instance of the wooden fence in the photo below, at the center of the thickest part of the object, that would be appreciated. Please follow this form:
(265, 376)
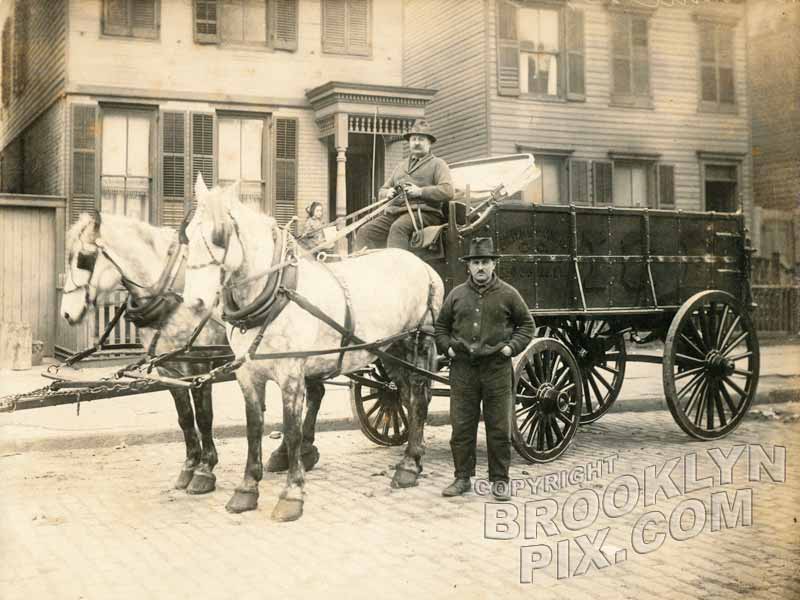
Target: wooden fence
(778, 308)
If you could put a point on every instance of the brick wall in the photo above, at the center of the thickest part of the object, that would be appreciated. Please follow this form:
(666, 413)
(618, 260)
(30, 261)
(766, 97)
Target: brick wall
(44, 153)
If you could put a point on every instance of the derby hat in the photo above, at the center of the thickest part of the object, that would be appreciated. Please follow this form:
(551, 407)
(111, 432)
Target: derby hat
(480, 247)
(420, 127)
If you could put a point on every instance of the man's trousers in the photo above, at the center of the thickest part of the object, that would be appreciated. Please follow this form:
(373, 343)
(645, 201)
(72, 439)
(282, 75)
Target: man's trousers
(489, 380)
(393, 231)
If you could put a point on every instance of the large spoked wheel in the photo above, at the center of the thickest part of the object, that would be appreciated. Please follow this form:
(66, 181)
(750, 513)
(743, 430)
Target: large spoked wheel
(711, 363)
(600, 353)
(547, 382)
(375, 402)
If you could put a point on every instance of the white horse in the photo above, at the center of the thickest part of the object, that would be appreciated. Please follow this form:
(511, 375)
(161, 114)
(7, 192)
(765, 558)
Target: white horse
(109, 251)
(379, 294)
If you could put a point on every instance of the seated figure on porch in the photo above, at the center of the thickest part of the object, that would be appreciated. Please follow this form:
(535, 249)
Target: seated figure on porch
(313, 234)
(427, 186)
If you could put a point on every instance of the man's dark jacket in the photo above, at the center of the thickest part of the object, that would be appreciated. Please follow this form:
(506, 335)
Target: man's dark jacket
(478, 321)
(431, 174)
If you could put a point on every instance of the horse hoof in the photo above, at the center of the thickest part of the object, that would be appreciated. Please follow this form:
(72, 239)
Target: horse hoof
(203, 482)
(242, 501)
(278, 461)
(184, 479)
(310, 458)
(404, 478)
(287, 510)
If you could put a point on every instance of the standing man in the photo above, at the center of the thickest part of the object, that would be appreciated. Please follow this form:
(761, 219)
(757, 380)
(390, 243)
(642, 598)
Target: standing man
(427, 185)
(482, 324)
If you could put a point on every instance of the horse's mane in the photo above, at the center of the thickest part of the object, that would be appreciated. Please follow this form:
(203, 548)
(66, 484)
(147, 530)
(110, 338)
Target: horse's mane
(123, 228)
(220, 205)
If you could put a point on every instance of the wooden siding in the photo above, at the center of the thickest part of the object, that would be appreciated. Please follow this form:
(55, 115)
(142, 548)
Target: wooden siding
(46, 70)
(179, 68)
(445, 50)
(31, 245)
(674, 127)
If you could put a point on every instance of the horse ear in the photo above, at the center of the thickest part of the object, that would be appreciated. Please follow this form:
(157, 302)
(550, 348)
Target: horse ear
(200, 186)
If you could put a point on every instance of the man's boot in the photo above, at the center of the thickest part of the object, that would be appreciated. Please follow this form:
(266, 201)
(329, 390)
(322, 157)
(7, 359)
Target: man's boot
(458, 487)
(501, 490)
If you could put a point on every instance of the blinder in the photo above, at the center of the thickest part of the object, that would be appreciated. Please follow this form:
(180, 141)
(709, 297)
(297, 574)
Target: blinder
(220, 235)
(86, 261)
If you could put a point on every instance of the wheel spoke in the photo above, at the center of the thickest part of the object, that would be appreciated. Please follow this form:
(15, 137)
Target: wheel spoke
(739, 390)
(567, 388)
(378, 417)
(733, 344)
(370, 397)
(607, 368)
(557, 431)
(691, 359)
(704, 328)
(710, 406)
(375, 407)
(718, 403)
(695, 395)
(548, 432)
(693, 383)
(722, 323)
(698, 337)
(701, 404)
(728, 399)
(601, 379)
(747, 354)
(743, 373)
(527, 385)
(563, 418)
(540, 435)
(683, 374)
(555, 370)
(587, 397)
(730, 331)
(692, 345)
(560, 379)
(600, 397)
(534, 428)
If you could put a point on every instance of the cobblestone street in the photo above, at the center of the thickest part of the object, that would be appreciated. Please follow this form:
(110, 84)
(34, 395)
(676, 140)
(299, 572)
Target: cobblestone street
(105, 523)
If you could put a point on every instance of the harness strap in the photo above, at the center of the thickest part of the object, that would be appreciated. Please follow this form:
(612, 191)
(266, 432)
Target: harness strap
(349, 319)
(161, 300)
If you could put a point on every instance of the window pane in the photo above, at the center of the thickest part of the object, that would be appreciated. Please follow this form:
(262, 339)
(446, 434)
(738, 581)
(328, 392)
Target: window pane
(720, 173)
(639, 186)
(548, 30)
(726, 93)
(709, 75)
(232, 22)
(550, 181)
(707, 43)
(115, 140)
(725, 48)
(527, 72)
(529, 25)
(620, 40)
(138, 145)
(251, 148)
(641, 77)
(622, 186)
(255, 23)
(622, 76)
(543, 74)
(230, 159)
(639, 33)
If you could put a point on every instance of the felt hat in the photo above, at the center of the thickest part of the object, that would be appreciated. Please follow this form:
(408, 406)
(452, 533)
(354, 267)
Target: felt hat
(420, 127)
(480, 247)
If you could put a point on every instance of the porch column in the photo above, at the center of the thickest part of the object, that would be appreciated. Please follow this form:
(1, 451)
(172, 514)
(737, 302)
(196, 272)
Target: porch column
(341, 142)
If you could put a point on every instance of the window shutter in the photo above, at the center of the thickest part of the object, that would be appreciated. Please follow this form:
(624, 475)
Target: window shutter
(173, 167)
(206, 20)
(6, 73)
(358, 30)
(145, 17)
(84, 123)
(285, 170)
(579, 181)
(620, 48)
(603, 181)
(507, 50)
(115, 17)
(640, 52)
(666, 186)
(203, 148)
(22, 10)
(334, 34)
(284, 24)
(576, 86)
(725, 57)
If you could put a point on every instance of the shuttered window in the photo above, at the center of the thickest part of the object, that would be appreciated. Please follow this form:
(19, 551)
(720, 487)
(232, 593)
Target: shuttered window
(271, 23)
(84, 143)
(173, 167)
(579, 181)
(22, 13)
(347, 27)
(630, 59)
(203, 147)
(540, 50)
(602, 182)
(131, 18)
(716, 65)
(285, 170)
(283, 16)
(5, 76)
(632, 183)
(666, 186)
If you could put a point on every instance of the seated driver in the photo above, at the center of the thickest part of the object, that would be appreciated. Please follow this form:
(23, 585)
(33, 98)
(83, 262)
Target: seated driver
(428, 186)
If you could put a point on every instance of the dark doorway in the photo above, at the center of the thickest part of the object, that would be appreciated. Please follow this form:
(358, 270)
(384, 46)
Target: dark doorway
(360, 186)
(721, 188)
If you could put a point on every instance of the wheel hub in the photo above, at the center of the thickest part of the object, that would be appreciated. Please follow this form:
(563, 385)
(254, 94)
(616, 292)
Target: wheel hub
(552, 399)
(719, 365)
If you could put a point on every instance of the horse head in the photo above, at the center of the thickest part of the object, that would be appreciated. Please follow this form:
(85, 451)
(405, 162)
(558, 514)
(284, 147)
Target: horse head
(88, 271)
(228, 242)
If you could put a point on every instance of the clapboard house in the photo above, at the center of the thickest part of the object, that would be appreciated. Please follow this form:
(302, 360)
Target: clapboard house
(622, 103)
(117, 105)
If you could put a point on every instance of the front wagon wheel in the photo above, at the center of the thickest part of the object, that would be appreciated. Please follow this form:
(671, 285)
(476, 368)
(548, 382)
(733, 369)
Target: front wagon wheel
(711, 365)
(376, 405)
(547, 382)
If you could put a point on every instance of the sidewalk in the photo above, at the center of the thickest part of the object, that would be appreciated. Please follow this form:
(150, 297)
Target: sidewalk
(148, 418)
